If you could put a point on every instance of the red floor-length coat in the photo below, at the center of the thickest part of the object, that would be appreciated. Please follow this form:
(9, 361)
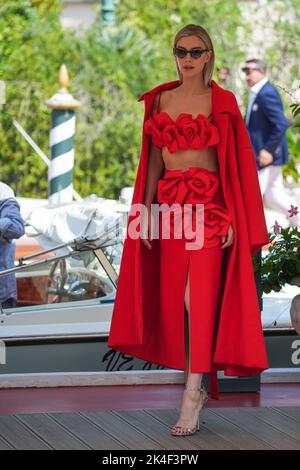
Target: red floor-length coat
(239, 343)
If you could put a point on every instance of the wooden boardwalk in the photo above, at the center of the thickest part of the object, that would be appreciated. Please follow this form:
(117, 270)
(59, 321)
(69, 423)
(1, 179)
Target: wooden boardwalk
(221, 428)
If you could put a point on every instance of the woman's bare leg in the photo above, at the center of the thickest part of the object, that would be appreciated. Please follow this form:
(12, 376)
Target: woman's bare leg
(192, 379)
(190, 398)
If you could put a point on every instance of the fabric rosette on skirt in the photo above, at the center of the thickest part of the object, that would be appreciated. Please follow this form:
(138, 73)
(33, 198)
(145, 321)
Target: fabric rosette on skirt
(183, 192)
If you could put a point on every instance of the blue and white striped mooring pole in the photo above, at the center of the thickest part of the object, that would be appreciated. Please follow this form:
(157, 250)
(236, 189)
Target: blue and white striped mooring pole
(60, 172)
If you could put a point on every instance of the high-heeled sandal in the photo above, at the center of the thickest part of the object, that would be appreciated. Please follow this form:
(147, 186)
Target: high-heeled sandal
(186, 431)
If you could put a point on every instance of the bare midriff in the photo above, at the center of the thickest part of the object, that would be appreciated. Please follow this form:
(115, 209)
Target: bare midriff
(183, 159)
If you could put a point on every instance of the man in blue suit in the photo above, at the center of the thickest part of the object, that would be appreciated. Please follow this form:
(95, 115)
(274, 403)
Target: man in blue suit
(11, 226)
(267, 125)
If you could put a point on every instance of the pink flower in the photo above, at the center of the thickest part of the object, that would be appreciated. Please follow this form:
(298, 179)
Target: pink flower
(277, 227)
(293, 211)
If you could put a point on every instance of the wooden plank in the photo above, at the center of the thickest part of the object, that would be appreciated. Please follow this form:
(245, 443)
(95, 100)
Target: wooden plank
(4, 445)
(283, 422)
(129, 435)
(78, 379)
(220, 429)
(293, 412)
(248, 420)
(57, 436)
(154, 429)
(87, 431)
(19, 436)
(223, 433)
(159, 429)
(205, 439)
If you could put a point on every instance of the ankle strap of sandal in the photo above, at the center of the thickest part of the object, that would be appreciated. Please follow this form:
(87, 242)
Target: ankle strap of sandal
(187, 387)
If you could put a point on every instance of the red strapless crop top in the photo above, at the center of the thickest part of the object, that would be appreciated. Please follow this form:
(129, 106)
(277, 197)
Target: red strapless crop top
(183, 133)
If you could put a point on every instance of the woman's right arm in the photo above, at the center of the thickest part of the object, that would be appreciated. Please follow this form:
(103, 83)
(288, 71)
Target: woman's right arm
(154, 172)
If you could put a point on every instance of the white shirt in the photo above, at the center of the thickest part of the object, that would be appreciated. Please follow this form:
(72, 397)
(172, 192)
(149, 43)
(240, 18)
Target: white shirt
(254, 90)
(5, 191)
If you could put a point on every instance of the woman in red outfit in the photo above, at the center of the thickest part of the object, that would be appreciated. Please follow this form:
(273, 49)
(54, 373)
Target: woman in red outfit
(190, 174)
(183, 313)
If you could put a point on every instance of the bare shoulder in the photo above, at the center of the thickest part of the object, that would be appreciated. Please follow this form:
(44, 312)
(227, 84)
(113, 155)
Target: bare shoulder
(164, 96)
(155, 102)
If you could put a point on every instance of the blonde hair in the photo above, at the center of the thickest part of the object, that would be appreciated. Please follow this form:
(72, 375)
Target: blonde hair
(197, 30)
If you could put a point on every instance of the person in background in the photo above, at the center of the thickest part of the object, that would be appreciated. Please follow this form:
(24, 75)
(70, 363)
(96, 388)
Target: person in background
(267, 125)
(224, 77)
(11, 226)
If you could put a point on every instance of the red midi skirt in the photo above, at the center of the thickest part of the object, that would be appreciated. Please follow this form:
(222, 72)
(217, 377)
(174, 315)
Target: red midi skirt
(195, 187)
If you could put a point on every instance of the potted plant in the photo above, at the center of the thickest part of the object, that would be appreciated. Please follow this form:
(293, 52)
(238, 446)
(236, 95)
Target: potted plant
(282, 263)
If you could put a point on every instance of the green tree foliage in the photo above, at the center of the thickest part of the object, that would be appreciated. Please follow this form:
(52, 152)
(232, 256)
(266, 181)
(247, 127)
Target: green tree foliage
(283, 55)
(32, 47)
(161, 19)
(116, 65)
(109, 68)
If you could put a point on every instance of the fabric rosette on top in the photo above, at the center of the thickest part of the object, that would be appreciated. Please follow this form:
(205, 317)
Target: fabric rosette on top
(151, 128)
(187, 190)
(202, 185)
(172, 188)
(197, 133)
(173, 139)
(217, 220)
(215, 223)
(183, 133)
(193, 186)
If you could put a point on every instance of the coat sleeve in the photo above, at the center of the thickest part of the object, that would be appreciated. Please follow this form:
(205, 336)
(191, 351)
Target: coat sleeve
(272, 107)
(252, 198)
(11, 222)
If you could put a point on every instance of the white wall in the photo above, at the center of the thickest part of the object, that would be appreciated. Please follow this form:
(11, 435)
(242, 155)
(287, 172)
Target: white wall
(79, 14)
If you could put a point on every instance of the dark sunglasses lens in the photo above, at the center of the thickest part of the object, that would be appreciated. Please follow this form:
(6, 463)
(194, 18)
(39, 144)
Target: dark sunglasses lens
(196, 53)
(248, 70)
(180, 52)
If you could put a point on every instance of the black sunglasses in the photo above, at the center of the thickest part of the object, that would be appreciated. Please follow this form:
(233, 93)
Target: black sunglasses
(248, 70)
(196, 52)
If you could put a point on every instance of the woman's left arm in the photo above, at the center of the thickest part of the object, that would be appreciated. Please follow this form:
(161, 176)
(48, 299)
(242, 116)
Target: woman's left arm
(11, 222)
